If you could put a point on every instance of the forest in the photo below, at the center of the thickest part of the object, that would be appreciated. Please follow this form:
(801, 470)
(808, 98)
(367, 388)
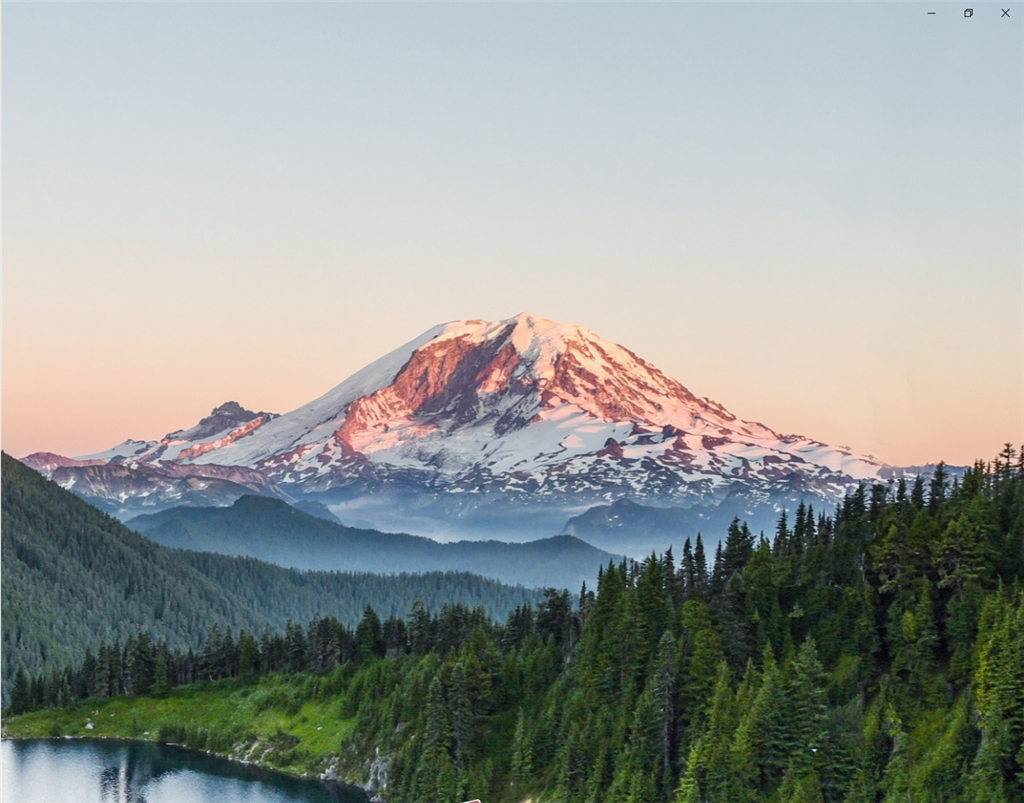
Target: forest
(874, 654)
(274, 531)
(74, 576)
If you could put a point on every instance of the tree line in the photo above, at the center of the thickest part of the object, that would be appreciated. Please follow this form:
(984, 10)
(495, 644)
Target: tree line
(875, 654)
(144, 666)
(73, 576)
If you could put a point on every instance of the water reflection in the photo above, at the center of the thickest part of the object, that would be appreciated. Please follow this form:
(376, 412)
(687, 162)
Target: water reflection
(97, 771)
(127, 783)
(110, 783)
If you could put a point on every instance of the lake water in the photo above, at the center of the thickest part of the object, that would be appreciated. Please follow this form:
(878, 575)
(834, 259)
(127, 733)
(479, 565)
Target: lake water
(99, 771)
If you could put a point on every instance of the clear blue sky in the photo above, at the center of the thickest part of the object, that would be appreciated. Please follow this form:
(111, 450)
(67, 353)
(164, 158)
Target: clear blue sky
(812, 213)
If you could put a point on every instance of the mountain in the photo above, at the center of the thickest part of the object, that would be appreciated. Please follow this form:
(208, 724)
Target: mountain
(637, 529)
(476, 427)
(317, 509)
(73, 575)
(271, 530)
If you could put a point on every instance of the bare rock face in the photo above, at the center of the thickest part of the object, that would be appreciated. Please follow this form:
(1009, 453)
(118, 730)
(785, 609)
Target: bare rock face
(47, 462)
(525, 410)
(229, 416)
(377, 781)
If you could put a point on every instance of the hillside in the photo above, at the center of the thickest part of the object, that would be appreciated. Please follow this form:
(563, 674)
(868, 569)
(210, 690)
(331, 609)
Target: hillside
(73, 576)
(271, 530)
(872, 656)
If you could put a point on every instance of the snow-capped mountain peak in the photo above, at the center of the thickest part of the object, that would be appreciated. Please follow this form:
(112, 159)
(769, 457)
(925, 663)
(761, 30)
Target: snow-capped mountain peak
(524, 408)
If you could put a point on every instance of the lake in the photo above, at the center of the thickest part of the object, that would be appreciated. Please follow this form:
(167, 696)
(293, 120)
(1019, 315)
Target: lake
(100, 771)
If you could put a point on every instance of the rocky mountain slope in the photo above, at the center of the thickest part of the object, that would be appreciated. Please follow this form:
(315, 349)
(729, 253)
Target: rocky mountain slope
(476, 426)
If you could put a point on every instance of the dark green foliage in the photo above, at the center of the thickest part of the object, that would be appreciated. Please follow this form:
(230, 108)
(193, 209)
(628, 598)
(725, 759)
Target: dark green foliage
(877, 654)
(873, 656)
(370, 635)
(73, 576)
(160, 685)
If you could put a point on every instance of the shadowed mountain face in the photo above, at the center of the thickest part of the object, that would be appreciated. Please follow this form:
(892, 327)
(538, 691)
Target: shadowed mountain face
(271, 530)
(476, 428)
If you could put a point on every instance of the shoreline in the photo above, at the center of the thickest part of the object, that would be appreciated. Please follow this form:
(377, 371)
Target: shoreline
(371, 794)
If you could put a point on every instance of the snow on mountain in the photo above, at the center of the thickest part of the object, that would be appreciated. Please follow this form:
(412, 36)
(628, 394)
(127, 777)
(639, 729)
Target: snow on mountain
(525, 409)
(220, 428)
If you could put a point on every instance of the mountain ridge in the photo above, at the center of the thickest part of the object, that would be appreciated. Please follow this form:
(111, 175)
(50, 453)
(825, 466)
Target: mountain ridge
(72, 575)
(271, 530)
(477, 423)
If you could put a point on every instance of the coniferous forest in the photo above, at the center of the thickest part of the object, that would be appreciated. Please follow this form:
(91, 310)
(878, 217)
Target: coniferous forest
(874, 654)
(74, 577)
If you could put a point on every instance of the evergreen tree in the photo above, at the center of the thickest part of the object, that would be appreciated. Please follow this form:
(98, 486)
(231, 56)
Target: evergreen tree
(209, 655)
(436, 774)
(805, 712)
(688, 571)
(248, 654)
(142, 664)
(937, 488)
(421, 635)
(160, 686)
(21, 693)
(708, 772)
(760, 750)
(907, 684)
(522, 753)
(370, 636)
(295, 647)
(701, 568)
(462, 717)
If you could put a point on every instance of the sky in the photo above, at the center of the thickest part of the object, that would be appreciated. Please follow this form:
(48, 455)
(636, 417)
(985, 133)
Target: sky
(811, 213)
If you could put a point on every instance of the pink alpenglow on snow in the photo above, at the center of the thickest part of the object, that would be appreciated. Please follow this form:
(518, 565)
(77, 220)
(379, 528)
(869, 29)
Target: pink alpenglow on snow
(524, 407)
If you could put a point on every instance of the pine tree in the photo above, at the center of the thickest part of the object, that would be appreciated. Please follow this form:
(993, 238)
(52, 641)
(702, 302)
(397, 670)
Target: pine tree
(210, 654)
(917, 499)
(21, 694)
(780, 546)
(462, 717)
(636, 776)
(937, 488)
(734, 625)
(295, 647)
(436, 774)
(248, 654)
(142, 664)
(227, 658)
(760, 749)
(702, 654)
(701, 569)
(522, 753)
(688, 571)
(421, 635)
(999, 680)
(160, 686)
(662, 686)
(708, 772)
(969, 548)
(806, 723)
(370, 636)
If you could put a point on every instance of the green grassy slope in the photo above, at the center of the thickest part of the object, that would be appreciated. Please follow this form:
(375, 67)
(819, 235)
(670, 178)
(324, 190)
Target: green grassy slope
(292, 723)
